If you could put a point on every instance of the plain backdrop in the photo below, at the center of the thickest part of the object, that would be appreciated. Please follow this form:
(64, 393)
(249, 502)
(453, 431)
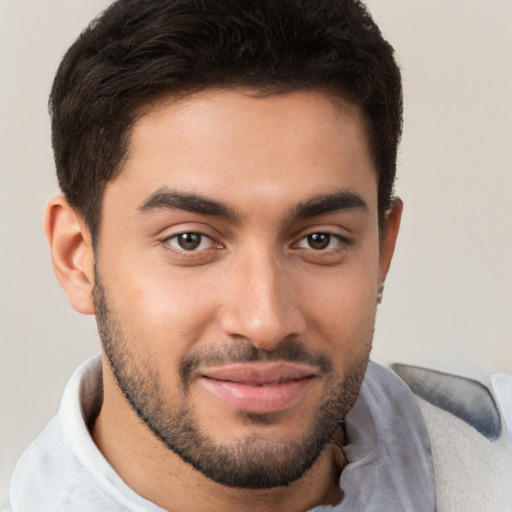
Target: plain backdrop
(448, 300)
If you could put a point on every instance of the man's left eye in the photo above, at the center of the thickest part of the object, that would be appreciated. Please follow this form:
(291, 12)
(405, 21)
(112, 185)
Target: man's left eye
(190, 241)
(319, 241)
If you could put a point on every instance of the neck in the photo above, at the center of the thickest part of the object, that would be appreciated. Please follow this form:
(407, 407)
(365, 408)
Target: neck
(160, 476)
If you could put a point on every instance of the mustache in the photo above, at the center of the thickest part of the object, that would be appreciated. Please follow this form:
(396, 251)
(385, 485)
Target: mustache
(289, 349)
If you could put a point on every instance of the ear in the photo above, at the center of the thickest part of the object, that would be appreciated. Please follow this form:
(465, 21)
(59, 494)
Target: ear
(388, 237)
(71, 252)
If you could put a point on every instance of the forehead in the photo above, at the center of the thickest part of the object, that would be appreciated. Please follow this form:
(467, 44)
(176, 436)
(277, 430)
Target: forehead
(237, 147)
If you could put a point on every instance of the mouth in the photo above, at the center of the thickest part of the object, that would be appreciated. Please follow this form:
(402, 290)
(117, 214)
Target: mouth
(259, 388)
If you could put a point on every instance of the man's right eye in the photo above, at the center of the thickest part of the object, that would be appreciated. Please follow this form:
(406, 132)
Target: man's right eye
(190, 242)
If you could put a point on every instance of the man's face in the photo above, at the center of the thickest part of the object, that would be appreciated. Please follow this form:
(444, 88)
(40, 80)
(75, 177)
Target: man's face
(237, 275)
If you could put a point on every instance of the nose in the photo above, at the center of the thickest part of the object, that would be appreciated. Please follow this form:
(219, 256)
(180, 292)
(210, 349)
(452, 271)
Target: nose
(260, 302)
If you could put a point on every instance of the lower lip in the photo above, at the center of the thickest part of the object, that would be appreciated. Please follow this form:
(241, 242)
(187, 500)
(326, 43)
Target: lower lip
(259, 399)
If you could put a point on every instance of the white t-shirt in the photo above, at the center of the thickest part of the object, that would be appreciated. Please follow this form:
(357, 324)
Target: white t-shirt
(389, 469)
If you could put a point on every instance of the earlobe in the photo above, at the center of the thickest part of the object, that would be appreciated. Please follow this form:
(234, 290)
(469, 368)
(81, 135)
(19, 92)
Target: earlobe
(71, 252)
(389, 235)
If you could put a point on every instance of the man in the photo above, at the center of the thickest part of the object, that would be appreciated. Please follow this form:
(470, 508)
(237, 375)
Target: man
(228, 215)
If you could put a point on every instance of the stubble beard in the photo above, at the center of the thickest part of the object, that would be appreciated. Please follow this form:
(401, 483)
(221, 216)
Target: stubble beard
(252, 462)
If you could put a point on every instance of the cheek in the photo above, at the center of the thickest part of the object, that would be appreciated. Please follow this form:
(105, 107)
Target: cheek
(163, 310)
(342, 310)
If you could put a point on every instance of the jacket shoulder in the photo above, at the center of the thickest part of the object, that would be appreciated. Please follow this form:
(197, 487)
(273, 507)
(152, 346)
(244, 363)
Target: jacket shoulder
(471, 454)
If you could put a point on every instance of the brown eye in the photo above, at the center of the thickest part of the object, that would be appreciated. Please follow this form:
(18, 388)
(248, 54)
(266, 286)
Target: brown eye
(319, 241)
(190, 241)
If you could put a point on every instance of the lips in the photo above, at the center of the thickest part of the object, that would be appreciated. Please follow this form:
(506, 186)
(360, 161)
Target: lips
(259, 387)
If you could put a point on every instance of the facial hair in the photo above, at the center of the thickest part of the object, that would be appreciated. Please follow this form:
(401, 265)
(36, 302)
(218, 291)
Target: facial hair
(252, 462)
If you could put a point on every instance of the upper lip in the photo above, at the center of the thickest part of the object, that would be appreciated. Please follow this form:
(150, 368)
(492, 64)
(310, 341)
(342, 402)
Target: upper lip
(260, 374)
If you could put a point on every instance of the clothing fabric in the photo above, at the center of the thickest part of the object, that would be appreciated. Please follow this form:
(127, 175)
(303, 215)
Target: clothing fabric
(388, 452)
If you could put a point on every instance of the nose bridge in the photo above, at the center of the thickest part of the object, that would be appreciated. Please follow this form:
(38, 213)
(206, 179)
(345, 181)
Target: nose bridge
(261, 307)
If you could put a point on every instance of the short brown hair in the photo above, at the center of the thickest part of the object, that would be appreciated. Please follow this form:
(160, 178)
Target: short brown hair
(138, 50)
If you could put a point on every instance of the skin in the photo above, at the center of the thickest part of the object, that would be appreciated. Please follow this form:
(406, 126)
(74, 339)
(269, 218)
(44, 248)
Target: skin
(255, 279)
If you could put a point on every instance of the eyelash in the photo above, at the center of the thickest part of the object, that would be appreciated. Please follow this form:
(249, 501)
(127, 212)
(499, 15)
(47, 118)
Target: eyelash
(309, 238)
(341, 241)
(202, 237)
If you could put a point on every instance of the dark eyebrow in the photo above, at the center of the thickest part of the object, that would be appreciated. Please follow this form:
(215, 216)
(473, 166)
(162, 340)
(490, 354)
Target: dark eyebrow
(166, 199)
(330, 203)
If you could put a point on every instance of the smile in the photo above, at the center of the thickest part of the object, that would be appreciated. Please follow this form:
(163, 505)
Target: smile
(260, 387)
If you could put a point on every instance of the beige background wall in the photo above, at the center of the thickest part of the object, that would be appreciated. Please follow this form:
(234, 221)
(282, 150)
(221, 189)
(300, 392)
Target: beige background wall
(448, 301)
